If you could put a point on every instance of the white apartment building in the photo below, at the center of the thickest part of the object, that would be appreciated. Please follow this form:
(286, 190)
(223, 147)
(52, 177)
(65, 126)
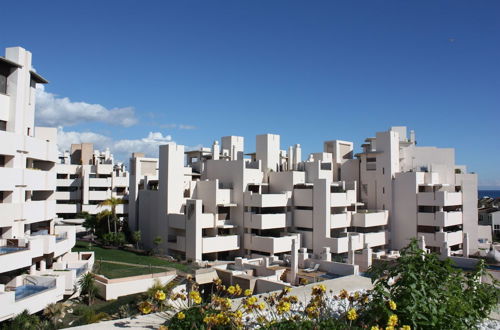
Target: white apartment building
(29, 240)
(219, 203)
(425, 193)
(87, 177)
(216, 204)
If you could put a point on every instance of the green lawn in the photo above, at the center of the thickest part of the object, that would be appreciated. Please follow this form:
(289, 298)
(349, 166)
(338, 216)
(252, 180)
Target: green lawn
(127, 256)
(116, 271)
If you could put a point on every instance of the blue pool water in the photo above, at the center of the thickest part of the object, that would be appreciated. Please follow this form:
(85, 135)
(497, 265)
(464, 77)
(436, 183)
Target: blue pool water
(9, 249)
(24, 291)
(494, 267)
(331, 276)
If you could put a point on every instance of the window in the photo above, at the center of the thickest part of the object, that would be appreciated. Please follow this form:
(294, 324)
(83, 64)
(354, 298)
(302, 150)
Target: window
(383, 190)
(4, 73)
(3, 125)
(383, 170)
(497, 227)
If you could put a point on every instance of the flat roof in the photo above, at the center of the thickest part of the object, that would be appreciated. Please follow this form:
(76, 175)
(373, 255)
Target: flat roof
(10, 63)
(37, 78)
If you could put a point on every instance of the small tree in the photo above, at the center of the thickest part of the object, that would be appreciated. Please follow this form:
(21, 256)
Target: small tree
(136, 238)
(55, 312)
(157, 242)
(88, 287)
(105, 214)
(112, 202)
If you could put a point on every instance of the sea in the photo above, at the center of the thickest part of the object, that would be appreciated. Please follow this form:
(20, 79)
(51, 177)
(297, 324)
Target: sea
(489, 193)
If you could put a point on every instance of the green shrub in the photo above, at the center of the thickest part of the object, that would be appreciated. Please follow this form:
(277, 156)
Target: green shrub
(430, 293)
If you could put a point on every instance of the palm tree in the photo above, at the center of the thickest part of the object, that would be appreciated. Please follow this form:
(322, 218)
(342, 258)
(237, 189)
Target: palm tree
(105, 214)
(88, 287)
(113, 202)
(136, 237)
(24, 320)
(55, 312)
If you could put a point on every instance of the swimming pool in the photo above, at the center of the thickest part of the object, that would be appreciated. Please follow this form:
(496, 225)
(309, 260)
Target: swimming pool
(24, 291)
(9, 249)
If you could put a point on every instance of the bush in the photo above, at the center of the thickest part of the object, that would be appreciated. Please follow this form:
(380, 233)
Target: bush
(429, 293)
(116, 239)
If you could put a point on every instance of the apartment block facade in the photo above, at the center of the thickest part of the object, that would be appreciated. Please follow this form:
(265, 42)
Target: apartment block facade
(87, 177)
(32, 247)
(220, 203)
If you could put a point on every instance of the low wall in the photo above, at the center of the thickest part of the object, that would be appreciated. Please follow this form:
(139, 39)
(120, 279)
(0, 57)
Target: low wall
(265, 286)
(110, 289)
(337, 268)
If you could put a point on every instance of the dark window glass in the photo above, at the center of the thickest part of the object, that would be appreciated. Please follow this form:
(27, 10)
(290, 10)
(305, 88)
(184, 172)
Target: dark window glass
(3, 84)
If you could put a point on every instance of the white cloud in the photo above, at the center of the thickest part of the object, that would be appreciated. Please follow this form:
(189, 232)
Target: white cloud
(121, 149)
(178, 126)
(52, 110)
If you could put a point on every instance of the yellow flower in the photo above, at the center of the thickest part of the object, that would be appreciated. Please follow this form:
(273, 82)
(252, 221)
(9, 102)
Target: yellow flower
(283, 307)
(231, 289)
(237, 290)
(343, 294)
(195, 296)
(145, 307)
(163, 327)
(392, 305)
(393, 320)
(262, 306)
(352, 315)
(181, 316)
(248, 292)
(406, 327)
(160, 295)
(374, 327)
(389, 328)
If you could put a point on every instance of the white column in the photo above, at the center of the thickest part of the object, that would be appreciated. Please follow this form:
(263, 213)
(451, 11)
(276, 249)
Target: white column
(350, 252)
(294, 269)
(43, 265)
(465, 245)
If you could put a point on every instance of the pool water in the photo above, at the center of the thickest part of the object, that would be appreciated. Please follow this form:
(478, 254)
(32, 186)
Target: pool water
(494, 267)
(24, 291)
(9, 249)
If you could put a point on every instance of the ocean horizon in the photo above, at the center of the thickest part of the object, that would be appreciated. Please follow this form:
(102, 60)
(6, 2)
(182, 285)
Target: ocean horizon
(489, 193)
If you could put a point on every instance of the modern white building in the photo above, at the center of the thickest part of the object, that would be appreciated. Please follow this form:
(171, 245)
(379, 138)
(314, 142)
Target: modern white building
(219, 203)
(31, 246)
(214, 203)
(423, 189)
(87, 177)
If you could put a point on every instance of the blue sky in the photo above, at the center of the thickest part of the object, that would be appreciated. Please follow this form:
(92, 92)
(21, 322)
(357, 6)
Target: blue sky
(192, 71)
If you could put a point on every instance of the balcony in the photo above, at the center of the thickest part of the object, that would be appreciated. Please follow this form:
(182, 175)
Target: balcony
(66, 208)
(437, 239)
(370, 218)
(69, 182)
(220, 243)
(303, 218)
(104, 169)
(341, 244)
(67, 195)
(223, 196)
(120, 181)
(339, 199)
(65, 239)
(341, 220)
(376, 239)
(11, 177)
(265, 221)
(303, 197)
(9, 212)
(9, 141)
(271, 245)
(4, 107)
(95, 195)
(19, 255)
(36, 211)
(38, 148)
(100, 182)
(440, 219)
(34, 298)
(439, 198)
(39, 180)
(265, 200)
